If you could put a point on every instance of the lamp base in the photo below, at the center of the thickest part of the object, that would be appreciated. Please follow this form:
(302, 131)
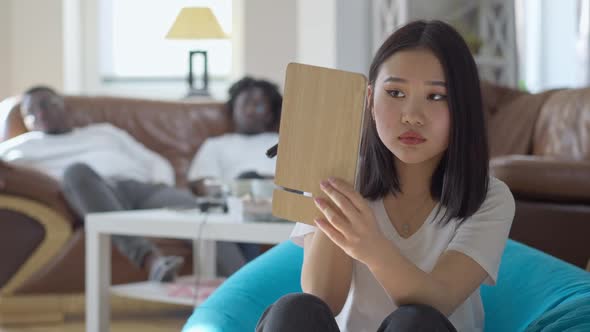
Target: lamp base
(203, 89)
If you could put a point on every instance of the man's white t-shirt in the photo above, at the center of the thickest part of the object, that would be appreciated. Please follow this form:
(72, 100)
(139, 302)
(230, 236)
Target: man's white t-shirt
(481, 237)
(108, 150)
(226, 157)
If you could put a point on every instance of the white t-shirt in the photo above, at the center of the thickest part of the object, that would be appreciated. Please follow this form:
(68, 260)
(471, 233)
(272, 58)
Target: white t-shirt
(108, 150)
(226, 157)
(481, 237)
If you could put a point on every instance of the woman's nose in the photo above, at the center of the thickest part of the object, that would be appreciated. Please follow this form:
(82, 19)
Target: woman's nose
(412, 114)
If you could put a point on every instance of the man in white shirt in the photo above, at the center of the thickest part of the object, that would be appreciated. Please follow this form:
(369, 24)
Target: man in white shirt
(255, 107)
(101, 168)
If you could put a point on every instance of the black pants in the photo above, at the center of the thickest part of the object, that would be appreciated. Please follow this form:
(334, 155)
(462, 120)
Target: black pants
(305, 312)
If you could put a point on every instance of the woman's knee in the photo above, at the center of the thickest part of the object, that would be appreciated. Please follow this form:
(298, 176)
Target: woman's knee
(300, 301)
(297, 312)
(416, 317)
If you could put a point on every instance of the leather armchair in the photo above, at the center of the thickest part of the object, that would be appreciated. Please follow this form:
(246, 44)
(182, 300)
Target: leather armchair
(540, 147)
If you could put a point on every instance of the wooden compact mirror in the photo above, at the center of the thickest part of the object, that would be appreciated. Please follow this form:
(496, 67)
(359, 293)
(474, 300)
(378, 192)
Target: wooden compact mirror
(320, 136)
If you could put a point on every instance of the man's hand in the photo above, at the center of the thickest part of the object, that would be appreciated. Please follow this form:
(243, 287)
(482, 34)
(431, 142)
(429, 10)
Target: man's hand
(197, 187)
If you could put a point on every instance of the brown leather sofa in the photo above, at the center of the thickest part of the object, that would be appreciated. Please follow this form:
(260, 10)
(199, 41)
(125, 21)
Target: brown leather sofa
(41, 241)
(540, 147)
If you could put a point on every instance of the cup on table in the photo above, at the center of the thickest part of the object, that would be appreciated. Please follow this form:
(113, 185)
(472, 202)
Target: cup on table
(262, 189)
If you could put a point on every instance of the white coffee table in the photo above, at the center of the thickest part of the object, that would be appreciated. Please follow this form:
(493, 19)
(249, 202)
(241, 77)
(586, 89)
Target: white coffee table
(185, 224)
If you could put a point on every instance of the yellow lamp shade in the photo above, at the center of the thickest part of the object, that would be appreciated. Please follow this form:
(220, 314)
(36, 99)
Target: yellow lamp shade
(196, 23)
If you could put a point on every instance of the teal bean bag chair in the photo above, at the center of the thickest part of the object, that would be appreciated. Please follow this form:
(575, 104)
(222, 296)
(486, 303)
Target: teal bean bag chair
(535, 292)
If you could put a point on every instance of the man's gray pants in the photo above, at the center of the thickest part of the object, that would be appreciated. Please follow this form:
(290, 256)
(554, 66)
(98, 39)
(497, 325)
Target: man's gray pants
(88, 192)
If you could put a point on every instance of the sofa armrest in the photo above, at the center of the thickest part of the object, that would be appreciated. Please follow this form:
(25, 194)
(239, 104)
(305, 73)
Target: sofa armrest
(31, 184)
(544, 179)
(56, 232)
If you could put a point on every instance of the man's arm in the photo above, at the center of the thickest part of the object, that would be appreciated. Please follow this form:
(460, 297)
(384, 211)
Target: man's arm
(205, 166)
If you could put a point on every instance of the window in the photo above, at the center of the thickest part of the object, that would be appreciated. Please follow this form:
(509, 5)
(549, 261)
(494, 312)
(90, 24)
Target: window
(133, 47)
(549, 32)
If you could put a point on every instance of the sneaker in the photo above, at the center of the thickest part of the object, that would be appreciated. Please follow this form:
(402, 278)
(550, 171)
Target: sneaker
(165, 268)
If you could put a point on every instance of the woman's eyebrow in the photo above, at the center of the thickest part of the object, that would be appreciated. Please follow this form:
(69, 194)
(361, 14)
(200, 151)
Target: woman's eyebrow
(403, 80)
(439, 83)
(395, 79)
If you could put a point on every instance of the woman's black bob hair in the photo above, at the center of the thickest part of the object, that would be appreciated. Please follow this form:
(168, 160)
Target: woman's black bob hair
(460, 182)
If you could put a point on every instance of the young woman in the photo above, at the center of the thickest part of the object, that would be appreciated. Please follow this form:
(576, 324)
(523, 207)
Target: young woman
(429, 225)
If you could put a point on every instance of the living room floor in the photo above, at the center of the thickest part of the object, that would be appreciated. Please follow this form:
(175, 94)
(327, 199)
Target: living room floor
(171, 321)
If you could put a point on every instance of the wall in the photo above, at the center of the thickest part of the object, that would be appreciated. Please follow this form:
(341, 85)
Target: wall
(316, 32)
(5, 54)
(353, 36)
(264, 38)
(334, 33)
(269, 34)
(72, 46)
(40, 45)
(36, 45)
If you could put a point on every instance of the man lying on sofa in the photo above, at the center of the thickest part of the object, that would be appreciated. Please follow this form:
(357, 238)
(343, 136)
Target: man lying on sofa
(255, 107)
(102, 168)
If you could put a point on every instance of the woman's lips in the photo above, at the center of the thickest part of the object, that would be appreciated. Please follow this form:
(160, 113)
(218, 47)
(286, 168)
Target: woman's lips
(411, 138)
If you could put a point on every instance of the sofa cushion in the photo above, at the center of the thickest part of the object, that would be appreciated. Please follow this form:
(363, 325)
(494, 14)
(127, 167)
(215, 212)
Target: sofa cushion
(563, 127)
(506, 109)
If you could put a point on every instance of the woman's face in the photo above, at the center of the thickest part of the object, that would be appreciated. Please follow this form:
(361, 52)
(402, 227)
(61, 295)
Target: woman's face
(410, 107)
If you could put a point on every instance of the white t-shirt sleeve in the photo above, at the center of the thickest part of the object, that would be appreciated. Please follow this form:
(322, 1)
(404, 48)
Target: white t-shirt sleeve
(160, 169)
(17, 148)
(206, 162)
(483, 236)
(299, 232)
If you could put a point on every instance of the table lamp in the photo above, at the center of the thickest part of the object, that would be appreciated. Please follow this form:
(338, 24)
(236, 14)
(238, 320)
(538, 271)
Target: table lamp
(196, 23)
